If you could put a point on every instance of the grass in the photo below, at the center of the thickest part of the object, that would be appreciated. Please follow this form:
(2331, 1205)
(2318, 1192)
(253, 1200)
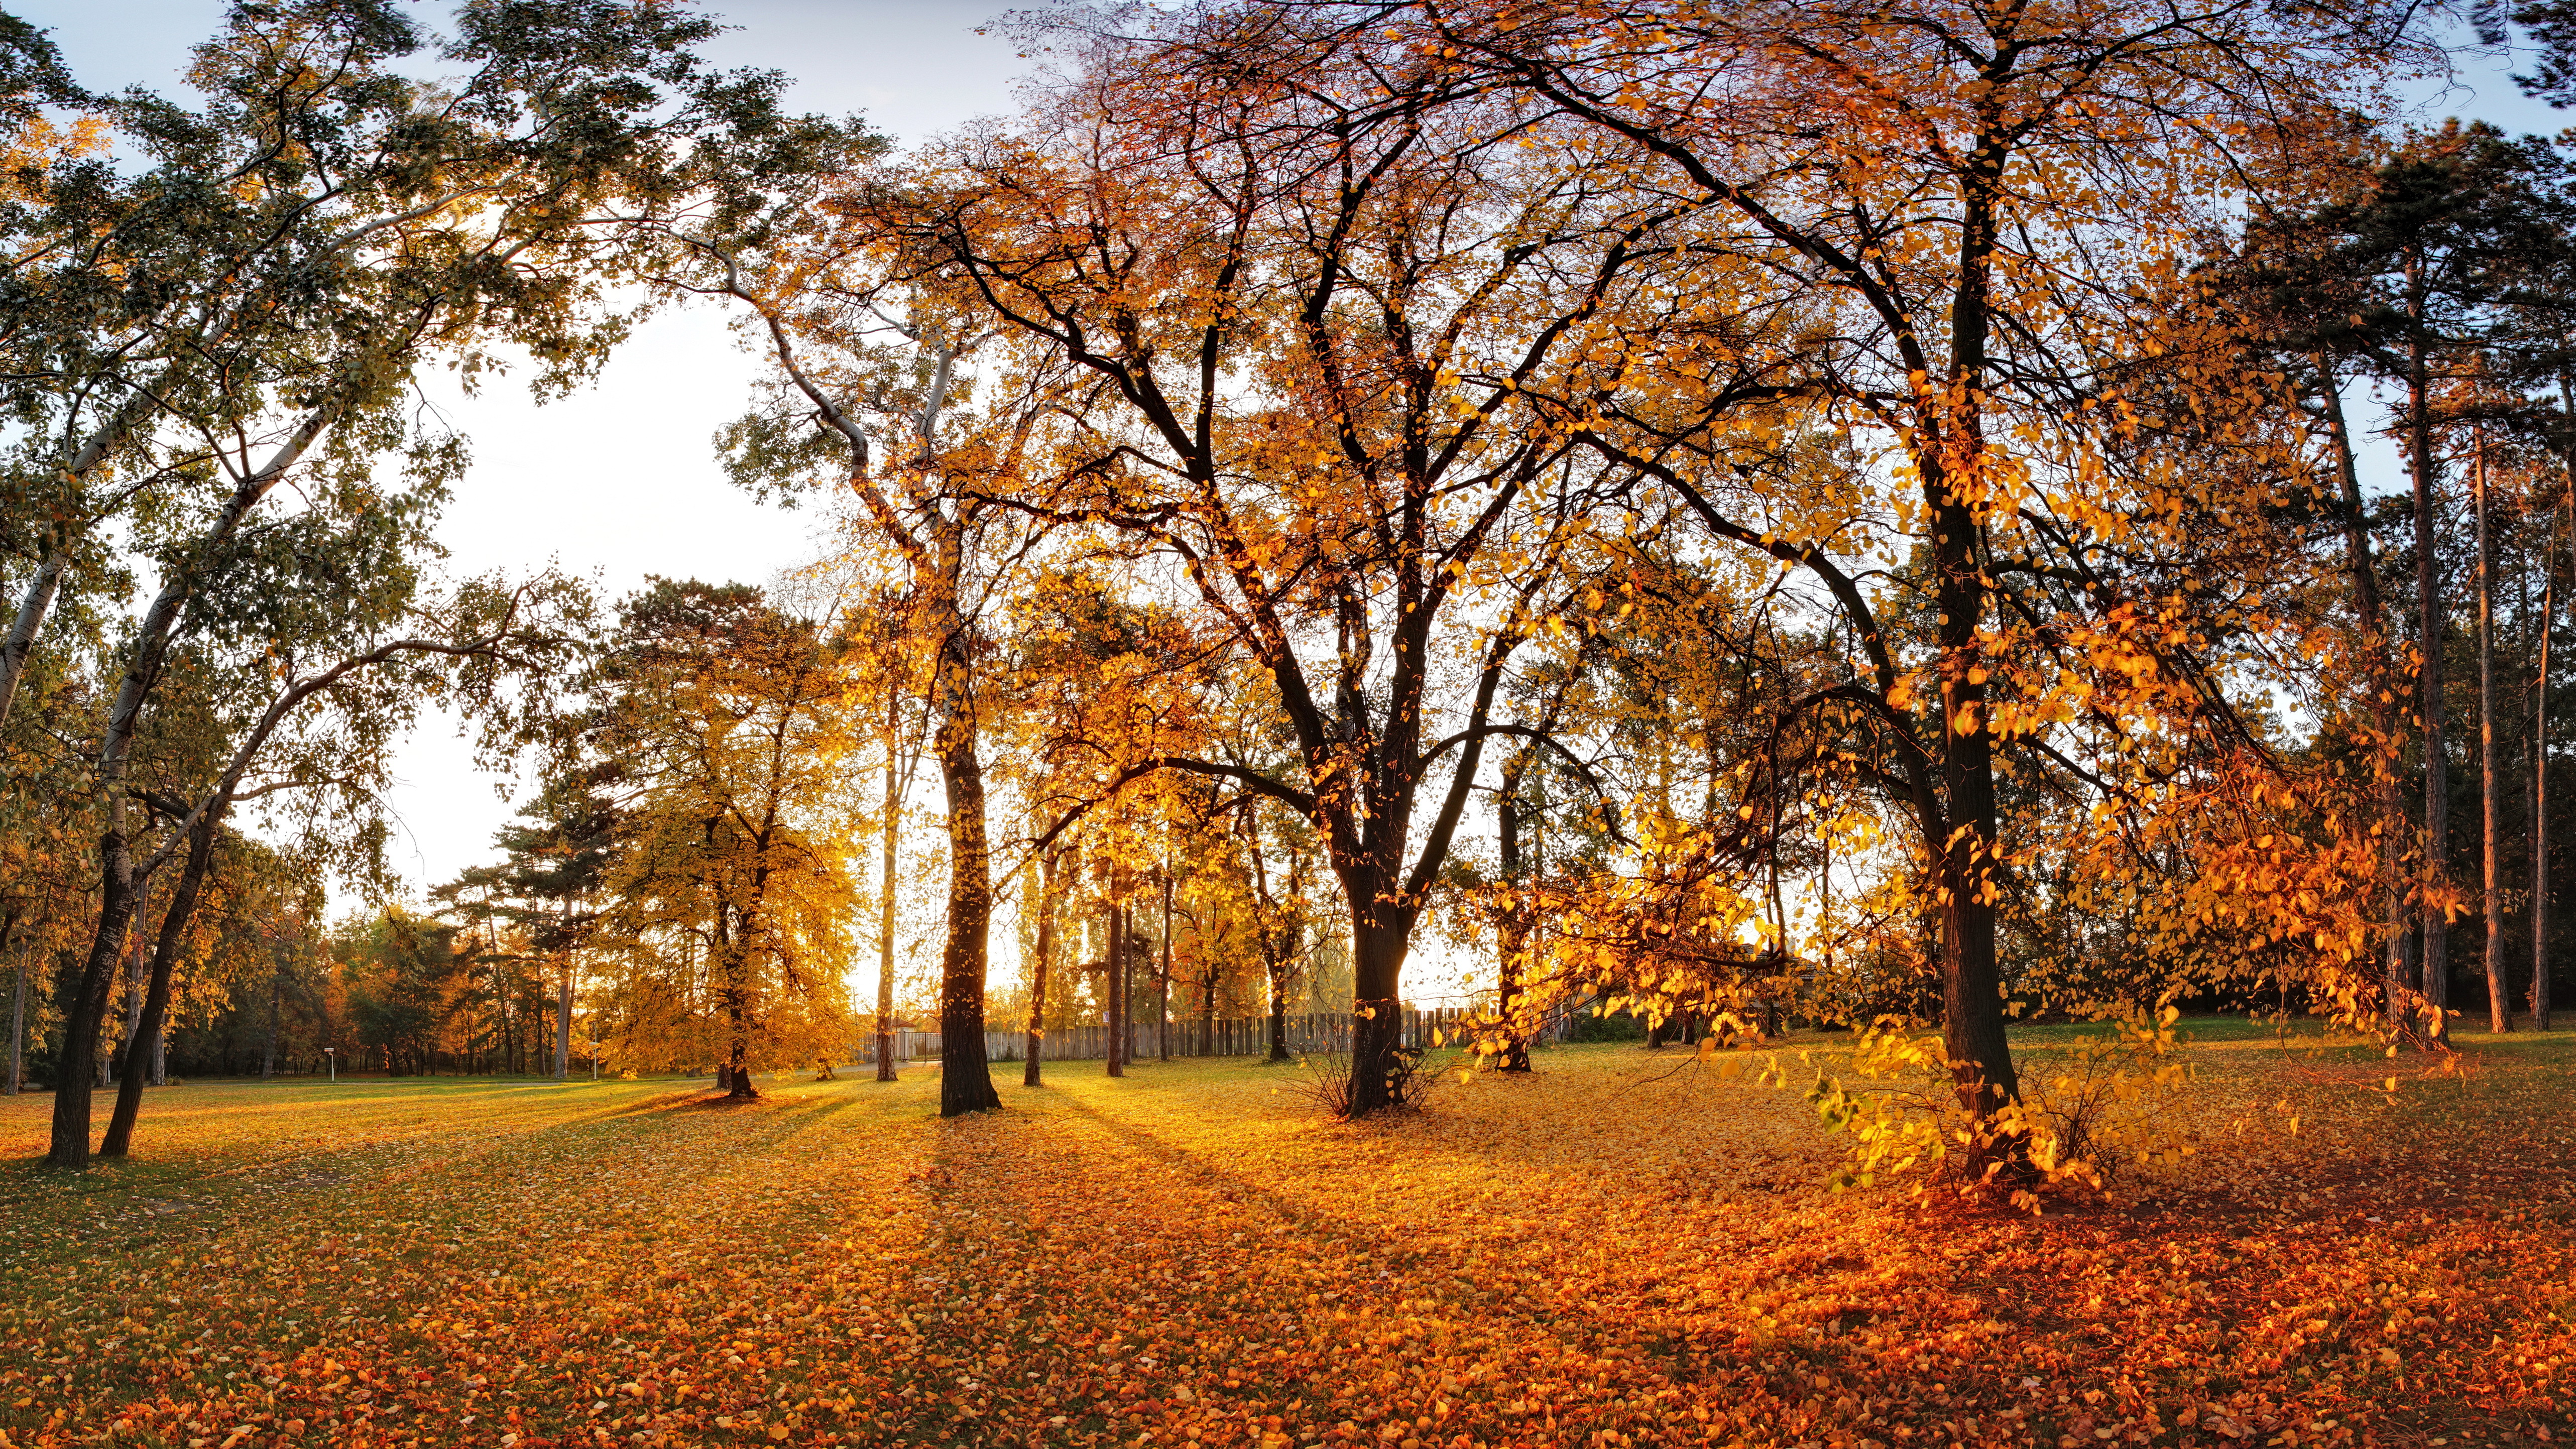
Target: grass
(1625, 1248)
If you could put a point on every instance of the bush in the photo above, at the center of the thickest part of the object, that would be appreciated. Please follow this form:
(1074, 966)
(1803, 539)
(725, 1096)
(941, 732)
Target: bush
(1409, 1081)
(1617, 1027)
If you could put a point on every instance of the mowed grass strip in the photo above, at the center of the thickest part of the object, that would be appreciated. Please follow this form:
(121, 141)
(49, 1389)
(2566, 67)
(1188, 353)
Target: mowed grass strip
(1626, 1248)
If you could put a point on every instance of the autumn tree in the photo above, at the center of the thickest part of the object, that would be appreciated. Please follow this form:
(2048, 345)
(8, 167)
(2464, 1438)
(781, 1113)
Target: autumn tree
(723, 724)
(879, 388)
(1963, 216)
(1304, 346)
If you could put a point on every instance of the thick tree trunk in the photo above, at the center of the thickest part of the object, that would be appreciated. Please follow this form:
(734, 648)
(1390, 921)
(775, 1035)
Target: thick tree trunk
(733, 990)
(1379, 946)
(1966, 848)
(184, 895)
(965, 1078)
(1972, 1017)
(75, 1074)
(2499, 994)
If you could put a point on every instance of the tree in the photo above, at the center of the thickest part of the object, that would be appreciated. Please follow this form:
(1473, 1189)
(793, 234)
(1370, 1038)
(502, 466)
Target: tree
(723, 723)
(2411, 271)
(1304, 346)
(573, 116)
(858, 357)
(1966, 217)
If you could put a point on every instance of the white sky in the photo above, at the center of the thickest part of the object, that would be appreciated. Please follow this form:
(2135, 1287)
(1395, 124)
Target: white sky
(619, 481)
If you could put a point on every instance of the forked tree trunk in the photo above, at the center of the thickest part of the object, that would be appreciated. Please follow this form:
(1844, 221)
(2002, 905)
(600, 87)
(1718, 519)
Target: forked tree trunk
(156, 1002)
(75, 1074)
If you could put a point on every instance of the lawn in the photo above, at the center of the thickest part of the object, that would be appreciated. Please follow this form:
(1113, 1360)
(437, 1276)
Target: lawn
(1622, 1249)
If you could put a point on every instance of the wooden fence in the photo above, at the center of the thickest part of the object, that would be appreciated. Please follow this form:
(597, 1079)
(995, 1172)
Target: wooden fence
(1226, 1036)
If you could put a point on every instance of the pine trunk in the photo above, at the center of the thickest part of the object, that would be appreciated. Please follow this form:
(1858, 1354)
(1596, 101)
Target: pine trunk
(2499, 995)
(2435, 868)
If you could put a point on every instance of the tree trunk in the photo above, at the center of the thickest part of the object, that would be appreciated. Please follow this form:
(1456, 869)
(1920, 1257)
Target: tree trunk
(1163, 980)
(1512, 931)
(18, 1022)
(30, 618)
(1279, 1016)
(2434, 952)
(156, 1004)
(885, 903)
(1050, 883)
(965, 1078)
(733, 1078)
(2384, 689)
(2540, 880)
(563, 1018)
(1380, 941)
(1972, 1017)
(2499, 995)
(75, 1073)
(1113, 977)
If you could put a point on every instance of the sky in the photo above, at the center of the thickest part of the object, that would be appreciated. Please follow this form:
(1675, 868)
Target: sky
(619, 481)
